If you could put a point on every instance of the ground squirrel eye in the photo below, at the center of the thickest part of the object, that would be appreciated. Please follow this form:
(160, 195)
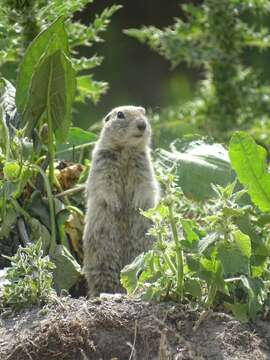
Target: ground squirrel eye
(120, 115)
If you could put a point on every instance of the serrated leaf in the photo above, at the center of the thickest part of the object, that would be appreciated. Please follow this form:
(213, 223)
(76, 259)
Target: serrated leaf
(232, 259)
(90, 89)
(249, 161)
(190, 234)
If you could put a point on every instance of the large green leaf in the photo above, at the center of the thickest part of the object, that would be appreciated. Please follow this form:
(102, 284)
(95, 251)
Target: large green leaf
(198, 164)
(57, 77)
(67, 271)
(249, 161)
(77, 140)
(32, 58)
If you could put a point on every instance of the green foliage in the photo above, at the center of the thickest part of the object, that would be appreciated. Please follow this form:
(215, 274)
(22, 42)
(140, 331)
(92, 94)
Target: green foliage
(249, 161)
(210, 257)
(22, 21)
(30, 134)
(29, 279)
(198, 164)
(214, 36)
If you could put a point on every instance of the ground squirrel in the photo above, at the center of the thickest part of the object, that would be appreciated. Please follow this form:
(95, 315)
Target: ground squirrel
(121, 181)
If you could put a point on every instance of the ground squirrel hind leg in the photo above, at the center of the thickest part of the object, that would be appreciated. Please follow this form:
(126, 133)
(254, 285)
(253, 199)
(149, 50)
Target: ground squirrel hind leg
(102, 272)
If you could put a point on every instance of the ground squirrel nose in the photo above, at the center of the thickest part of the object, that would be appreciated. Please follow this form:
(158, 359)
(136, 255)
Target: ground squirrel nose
(141, 125)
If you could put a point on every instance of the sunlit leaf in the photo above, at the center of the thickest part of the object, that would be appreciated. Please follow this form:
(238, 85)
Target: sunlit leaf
(249, 161)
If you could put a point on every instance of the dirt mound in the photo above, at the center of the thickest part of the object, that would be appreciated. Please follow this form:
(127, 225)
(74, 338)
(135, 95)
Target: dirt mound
(114, 327)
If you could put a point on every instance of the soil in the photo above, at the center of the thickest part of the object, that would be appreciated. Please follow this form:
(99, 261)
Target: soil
(115, 327)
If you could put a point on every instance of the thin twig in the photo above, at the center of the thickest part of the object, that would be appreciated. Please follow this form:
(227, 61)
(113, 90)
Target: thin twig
(134, 341)
(71, 191)
(23, 232)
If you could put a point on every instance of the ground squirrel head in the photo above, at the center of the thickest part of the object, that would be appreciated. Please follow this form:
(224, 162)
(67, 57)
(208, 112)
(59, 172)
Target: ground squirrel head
(126, 126)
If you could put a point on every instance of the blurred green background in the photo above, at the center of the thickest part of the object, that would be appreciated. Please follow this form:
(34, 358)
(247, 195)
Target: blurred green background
(136, 75)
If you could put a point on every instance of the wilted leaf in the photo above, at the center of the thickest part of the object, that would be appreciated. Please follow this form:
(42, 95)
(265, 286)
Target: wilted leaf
(68, 176)
(74, 228)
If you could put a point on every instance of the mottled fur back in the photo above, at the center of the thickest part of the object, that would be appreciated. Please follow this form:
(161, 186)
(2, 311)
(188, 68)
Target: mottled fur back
(121, 181)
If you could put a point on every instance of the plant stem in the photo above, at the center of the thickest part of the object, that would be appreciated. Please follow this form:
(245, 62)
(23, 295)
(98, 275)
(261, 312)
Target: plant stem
(51, 207)
(166, 257)
(77, 147)
(211, 295)
(179, 255)
(71, 191)
(50, 131)
(49, 185)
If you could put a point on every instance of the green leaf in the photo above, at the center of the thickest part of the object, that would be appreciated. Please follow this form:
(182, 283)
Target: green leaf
(130, 273)
(207, 241)
(33, 55)
(254, 288)
(190, 234)
(243, 241)
(8, 221)
(39, 231)
(67, 271)
(78, 136)
(193, 287)
(240, 311)
(90, 89)
(249, 161)
(57, 77)
(39, 209)
(232, 259)
(198, 164)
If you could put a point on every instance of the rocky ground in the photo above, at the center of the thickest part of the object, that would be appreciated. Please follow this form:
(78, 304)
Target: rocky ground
(115, 327)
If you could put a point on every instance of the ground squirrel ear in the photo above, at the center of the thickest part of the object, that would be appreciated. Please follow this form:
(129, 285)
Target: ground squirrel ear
(107, 118)
(142, 109)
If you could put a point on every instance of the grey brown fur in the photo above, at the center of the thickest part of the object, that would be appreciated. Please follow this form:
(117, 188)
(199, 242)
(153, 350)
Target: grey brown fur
(121, 181)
